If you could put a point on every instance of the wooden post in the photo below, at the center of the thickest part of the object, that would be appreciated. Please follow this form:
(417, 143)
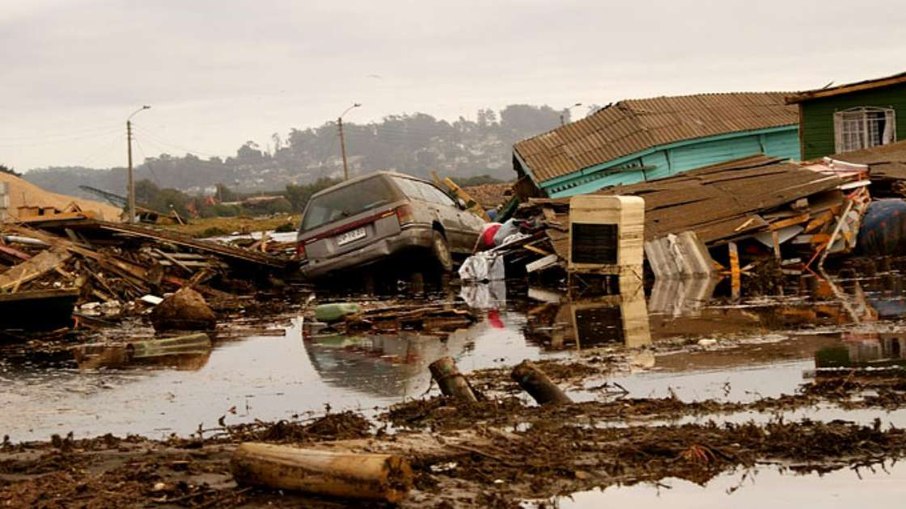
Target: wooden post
(735, 275)
(775, 239)
(451, 382)
(338, 474)
(537, 384)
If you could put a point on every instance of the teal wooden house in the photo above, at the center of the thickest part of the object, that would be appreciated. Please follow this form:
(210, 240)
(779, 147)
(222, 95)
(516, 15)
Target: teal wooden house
(851, 117)
(645, 139)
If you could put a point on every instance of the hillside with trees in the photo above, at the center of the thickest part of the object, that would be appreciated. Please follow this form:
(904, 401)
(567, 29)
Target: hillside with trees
(416, 144)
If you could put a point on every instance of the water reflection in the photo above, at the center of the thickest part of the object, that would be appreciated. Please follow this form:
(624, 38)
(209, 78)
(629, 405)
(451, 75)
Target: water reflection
(756, 488)
(384, 365)
(564, 321)
(864, 350)
(189, 353)
(681, 297)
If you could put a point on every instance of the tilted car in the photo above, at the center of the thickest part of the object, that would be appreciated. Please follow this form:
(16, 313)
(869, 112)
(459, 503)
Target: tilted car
(382, 216)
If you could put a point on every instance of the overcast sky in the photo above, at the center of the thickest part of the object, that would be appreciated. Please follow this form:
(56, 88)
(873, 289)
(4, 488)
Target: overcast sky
(220, 72)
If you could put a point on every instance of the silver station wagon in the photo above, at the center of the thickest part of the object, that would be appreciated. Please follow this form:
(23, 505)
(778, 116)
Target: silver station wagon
(383, 216)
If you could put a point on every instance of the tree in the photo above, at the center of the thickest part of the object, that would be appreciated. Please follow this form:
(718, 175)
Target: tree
(6, 169)
(225, 194)
(298, 195)
(486, 118)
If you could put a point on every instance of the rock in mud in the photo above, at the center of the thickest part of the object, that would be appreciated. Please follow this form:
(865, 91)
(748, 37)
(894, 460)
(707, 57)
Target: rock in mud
(184, 310)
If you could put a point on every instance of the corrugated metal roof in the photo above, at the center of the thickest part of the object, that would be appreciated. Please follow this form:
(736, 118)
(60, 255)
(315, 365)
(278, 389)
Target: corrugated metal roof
(634, 125)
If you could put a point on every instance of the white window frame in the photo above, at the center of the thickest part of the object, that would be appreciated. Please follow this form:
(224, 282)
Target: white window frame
(858, 128)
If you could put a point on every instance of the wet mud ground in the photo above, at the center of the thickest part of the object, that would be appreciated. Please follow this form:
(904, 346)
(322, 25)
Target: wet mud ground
(722, 404)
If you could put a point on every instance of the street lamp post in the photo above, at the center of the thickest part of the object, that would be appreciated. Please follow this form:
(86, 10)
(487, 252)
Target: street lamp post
(131, 185)
(343, 140)
(565, 110)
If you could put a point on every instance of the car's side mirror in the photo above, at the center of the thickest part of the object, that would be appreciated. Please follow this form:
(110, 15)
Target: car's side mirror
(461, 203)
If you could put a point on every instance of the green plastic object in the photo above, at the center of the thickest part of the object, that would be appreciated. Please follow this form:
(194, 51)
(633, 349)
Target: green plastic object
(335, 311)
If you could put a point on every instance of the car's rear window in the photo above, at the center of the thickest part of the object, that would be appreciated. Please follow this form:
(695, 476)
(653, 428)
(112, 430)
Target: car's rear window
(347, 201)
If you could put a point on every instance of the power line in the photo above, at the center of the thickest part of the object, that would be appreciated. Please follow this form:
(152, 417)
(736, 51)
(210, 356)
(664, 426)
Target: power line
(146, 163)
(46, 141)
(93, 155)
(63, 134)
(162, 141)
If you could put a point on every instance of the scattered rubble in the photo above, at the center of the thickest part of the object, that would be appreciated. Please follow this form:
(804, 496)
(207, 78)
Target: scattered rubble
(125, 268)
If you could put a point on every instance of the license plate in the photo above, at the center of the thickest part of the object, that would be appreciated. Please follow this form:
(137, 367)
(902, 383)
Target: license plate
(350, 236)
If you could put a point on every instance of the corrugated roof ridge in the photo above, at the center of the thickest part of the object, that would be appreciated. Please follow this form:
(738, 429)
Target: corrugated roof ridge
(805, 95)
(560, 154)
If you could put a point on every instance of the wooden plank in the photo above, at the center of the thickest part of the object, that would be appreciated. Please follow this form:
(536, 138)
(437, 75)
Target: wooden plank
(33, 268)
(174, 261)
(224, 251)
(783, 223)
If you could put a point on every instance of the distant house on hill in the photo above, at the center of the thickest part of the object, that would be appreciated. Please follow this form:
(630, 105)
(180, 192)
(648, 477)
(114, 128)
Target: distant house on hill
(851, 117)
(644, 139)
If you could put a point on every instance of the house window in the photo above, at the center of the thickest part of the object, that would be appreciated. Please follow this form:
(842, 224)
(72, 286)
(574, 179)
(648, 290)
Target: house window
(859, 128)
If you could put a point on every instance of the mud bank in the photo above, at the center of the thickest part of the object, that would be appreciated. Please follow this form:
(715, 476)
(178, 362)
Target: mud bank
(495, 453)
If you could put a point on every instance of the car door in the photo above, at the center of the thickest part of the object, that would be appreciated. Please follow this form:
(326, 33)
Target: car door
(450, 214)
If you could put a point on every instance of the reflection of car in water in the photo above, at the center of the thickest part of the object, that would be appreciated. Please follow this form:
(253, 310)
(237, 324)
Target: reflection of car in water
(386, 365)
(385, 214)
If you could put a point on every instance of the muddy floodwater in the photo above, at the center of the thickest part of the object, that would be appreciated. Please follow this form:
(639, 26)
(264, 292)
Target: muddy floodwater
(683, 343)
(752, 488)
(257, 377)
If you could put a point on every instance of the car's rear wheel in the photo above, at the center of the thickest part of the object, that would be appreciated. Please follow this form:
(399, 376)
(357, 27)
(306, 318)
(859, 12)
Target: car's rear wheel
(441, 252)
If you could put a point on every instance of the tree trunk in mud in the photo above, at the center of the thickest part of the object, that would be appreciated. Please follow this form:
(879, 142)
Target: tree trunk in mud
(338, 474)
(538, 385)
(451, 382)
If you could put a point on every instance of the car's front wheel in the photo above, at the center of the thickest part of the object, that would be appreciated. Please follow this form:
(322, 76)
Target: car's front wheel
(441, 251)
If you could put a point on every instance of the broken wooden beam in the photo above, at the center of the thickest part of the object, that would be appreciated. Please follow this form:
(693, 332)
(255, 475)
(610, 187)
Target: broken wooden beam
(381, 477)
(451, 382)
(538, 385)
(33, 268)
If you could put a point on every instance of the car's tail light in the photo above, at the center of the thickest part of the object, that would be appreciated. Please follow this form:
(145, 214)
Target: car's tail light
(300, 251)
(404, 214)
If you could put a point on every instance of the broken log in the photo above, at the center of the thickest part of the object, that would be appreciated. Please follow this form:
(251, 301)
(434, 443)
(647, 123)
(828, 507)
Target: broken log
(451, 382)
(383, 477)
(538, 385)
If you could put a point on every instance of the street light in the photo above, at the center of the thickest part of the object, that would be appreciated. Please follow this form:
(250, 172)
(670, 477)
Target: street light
(131, 185)
(566, 110)
(343, 140)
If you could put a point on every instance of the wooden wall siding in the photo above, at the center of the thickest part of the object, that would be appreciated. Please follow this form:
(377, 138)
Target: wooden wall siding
(678, 159)
(817, 122)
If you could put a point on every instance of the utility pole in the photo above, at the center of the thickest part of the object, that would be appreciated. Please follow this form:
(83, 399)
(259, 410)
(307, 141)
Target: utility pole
(131, 183)
(343, 140)
(565, 111)
(343, 148)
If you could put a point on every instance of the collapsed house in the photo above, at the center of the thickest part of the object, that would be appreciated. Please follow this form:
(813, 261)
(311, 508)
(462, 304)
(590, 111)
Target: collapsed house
(717, 219)
(645, 139)
(711, 206)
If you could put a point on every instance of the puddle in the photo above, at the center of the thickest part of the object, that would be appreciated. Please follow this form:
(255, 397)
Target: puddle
(716, 351)
(266, 378)
(755, 488)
